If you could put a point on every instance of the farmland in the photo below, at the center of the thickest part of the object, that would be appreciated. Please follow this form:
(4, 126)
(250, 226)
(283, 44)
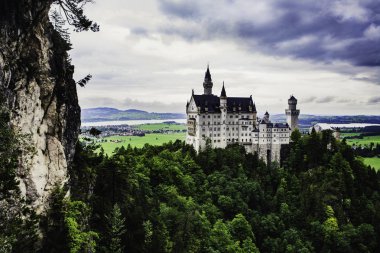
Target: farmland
(161, 126)
(112, 142)
(365, 141)
(373, 162)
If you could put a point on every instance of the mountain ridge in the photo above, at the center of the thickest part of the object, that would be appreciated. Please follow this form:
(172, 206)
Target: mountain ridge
(107, 113)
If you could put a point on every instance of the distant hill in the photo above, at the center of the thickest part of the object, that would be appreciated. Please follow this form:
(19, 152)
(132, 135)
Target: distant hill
(307, 120)
(107, 114)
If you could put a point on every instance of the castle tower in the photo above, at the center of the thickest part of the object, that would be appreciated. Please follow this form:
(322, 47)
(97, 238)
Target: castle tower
(223, 98)
(292, 113)
(223, 112)
(207, 84)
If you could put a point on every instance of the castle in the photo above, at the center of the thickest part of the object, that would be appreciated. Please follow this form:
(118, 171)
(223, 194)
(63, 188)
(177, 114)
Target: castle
(226, 120)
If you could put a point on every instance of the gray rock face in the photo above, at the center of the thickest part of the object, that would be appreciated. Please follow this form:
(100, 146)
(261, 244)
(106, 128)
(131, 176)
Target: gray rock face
(36, 78)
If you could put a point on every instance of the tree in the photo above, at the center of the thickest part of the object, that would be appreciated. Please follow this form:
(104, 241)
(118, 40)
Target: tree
(116, 230)
(73, 12)
(80, 239)
(94, 132)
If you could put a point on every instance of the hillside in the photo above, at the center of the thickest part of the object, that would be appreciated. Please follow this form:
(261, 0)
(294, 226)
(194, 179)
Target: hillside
(307, 120)
(106, 114)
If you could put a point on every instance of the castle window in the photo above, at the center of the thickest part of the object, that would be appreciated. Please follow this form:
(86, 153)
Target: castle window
(203, 116)
(208, 116)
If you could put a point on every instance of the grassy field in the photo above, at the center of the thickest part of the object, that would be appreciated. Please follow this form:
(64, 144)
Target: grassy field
(136, 141)
(365, 141)
(348, 134)
(161, 126)
(373, 162)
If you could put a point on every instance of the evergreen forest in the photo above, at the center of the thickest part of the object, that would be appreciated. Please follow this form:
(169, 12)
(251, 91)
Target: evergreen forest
(170, 199)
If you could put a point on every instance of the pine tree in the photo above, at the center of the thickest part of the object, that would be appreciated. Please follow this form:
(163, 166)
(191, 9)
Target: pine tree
(116, 229)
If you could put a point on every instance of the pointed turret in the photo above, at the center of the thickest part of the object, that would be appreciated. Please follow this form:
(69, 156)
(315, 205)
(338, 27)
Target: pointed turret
(223, 93)
(207, 84)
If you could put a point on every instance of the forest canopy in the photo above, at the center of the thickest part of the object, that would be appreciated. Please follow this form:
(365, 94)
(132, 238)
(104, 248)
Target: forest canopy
(170, 199)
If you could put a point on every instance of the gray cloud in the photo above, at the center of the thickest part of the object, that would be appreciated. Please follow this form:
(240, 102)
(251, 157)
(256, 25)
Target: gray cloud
(155, 52)
(327, 99)
(374, 100)
(326, 30)
(309, 99)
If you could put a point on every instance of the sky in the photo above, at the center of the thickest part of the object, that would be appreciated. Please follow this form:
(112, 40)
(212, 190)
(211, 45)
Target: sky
(150, 54)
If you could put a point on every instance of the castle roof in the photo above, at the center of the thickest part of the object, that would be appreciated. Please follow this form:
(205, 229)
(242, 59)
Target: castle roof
(234, 104)
(275, 125)
(223, 93)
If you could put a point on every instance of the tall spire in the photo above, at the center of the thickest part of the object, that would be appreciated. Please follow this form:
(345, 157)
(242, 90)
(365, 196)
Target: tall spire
(223, 93)
(207, 84)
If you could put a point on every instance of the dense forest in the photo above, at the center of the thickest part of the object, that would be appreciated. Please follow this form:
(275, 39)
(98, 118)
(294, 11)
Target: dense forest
(170, 199)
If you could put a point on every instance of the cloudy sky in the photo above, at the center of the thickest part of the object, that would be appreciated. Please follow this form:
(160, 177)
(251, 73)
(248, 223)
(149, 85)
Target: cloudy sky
(150, 54)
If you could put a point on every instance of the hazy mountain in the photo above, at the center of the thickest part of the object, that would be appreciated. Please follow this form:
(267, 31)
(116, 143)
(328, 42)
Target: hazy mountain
(307, 120)
(106, 114)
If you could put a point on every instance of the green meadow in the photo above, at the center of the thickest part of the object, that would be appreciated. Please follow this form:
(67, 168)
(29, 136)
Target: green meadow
(161, 126)
(365, 141)
(373, 162)
(139, 142)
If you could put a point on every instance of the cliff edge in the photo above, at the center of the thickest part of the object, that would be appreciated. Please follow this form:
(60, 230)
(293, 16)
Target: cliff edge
(36, 79)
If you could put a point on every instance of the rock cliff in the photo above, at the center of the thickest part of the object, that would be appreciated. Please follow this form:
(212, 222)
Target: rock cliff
(36, 77)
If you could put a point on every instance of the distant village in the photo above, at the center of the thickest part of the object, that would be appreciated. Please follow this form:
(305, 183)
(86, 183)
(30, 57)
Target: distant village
(100, 132)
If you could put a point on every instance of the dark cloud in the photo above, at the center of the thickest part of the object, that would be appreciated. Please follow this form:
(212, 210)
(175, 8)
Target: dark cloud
(374, 100)
(326, 30)
(327, 99)
(184, 9)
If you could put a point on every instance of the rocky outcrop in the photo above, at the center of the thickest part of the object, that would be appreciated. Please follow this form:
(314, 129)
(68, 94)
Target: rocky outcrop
(36, 78)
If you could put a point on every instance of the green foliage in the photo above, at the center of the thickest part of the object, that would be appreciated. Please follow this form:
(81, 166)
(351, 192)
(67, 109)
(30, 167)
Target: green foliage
(170, 199)
(116, 229)
(76, 215)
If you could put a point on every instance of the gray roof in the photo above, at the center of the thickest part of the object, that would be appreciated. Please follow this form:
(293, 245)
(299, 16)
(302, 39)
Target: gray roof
(212, 103)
